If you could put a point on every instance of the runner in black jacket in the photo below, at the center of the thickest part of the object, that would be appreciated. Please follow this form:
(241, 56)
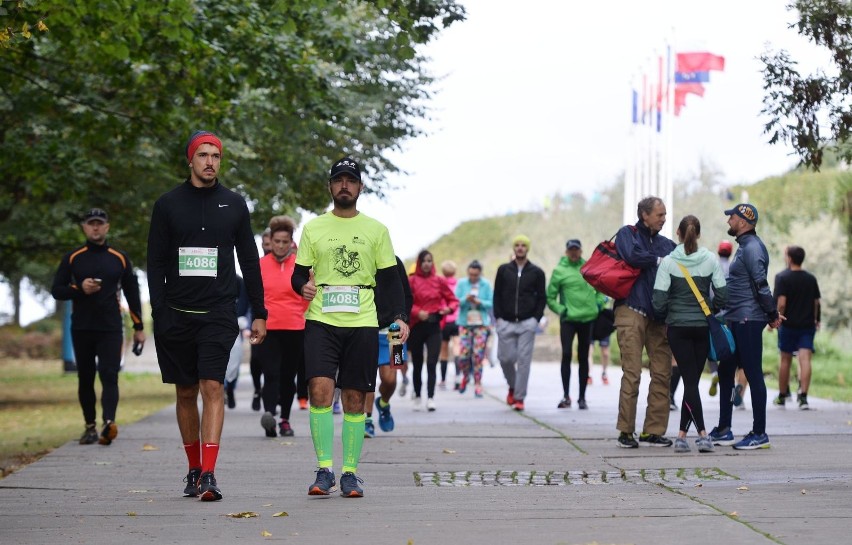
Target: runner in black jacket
(193, 284)
(90, 277)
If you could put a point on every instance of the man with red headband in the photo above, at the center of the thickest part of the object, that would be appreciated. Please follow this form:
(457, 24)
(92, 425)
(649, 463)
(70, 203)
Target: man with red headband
(193, 283)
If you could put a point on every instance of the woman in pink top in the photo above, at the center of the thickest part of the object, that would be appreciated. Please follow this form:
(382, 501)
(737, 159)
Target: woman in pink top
(433, 300)
(282, 353)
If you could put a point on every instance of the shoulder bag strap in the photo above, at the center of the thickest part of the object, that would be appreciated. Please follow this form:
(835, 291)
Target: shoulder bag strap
(695, 291)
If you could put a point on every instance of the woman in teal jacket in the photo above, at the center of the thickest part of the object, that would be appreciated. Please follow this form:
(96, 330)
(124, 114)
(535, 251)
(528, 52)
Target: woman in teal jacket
(475, 297)
(577, 304)
(687, 331)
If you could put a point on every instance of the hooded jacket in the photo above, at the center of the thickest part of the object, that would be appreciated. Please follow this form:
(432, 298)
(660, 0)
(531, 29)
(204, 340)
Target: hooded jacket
(431, 293)
(570, 296)
(674, 300)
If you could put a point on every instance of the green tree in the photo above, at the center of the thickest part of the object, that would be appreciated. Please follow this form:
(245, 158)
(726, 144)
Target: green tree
(800, 107)
(98, 98)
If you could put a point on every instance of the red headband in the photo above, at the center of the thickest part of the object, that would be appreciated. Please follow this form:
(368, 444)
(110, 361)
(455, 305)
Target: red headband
(202, 139)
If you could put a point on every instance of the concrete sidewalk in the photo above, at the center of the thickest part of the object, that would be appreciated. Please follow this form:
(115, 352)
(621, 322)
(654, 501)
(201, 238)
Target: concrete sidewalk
(474, 471)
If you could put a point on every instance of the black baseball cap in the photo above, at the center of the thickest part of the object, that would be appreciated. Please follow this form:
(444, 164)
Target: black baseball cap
(96, 214)
(573, 243)
(347, 165)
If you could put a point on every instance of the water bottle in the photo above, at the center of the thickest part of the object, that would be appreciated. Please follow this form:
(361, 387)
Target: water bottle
(395, 346)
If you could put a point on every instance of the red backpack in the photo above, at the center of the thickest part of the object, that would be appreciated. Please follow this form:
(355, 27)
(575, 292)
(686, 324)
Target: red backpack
(608, 273)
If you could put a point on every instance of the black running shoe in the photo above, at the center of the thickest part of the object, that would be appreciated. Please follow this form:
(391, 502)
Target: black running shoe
(324, 484)
(626, 440)
(349, 486)
(90, 436)
(207, 489)
(110, 432)
(191, 480)
(653, 440)
(255, 401)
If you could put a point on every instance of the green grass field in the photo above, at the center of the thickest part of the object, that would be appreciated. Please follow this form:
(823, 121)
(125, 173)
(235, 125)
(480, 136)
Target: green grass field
(39, 409)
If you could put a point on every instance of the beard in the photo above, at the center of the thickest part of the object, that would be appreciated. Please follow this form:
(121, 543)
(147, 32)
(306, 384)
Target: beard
(345, 202)
(732, 231)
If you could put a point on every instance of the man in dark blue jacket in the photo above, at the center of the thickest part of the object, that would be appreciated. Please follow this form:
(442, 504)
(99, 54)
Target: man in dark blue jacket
(750, 309)
(642, 246)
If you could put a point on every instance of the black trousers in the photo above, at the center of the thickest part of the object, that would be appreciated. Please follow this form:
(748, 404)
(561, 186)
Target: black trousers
(97, 352)
(425, 335)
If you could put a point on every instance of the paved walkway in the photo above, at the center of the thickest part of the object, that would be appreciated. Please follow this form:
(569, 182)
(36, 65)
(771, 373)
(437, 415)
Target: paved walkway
(472, 472)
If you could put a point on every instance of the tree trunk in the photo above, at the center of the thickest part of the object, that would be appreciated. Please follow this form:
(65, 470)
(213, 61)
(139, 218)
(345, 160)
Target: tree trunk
(15, 288)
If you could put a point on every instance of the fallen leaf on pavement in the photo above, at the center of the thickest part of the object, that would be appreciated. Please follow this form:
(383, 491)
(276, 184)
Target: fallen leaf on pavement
(265, 534)
(699, 485)
(733, 514)
(131, 513)
(149, 447)
(804, 491)
(243, 515)
(449, 451)
(281, 514)
(742, 488)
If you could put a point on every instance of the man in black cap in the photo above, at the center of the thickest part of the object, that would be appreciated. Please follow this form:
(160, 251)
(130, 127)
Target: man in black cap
(90, 277)
(344, 259)
(577, 304)
(749, 310)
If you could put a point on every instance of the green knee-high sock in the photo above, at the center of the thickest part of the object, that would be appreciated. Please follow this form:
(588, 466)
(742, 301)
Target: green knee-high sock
(353, 440)
(322, 433)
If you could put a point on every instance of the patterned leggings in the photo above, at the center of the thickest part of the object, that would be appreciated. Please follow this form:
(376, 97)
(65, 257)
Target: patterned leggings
(472, 341)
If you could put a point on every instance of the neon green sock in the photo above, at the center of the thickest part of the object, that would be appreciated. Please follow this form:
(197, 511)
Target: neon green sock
(322, 433)
(382, 403)
(353, 440)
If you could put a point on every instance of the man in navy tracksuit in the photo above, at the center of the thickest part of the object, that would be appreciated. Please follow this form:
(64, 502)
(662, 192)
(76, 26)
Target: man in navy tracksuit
(642, 246)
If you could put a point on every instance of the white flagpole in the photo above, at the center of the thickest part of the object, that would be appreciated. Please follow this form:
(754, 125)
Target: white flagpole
(668, 188)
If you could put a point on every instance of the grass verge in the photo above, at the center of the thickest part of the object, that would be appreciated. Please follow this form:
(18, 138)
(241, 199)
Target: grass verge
(39, 410)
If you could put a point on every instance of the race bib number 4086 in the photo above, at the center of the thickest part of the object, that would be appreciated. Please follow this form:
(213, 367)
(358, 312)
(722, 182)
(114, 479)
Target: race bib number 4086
(198, 262)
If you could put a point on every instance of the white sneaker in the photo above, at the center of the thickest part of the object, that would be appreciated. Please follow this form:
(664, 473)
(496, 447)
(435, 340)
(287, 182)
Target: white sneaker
(430, 405)
(416, 400)
(403, 388)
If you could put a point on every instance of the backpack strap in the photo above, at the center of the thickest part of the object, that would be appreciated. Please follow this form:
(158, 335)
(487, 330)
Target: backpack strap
(694, 288)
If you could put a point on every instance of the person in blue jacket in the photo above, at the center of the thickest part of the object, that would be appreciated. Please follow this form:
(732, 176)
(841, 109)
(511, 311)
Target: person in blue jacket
(642, 246)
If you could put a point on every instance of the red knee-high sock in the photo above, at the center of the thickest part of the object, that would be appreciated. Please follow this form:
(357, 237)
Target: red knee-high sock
(209, 452)
(193, 454)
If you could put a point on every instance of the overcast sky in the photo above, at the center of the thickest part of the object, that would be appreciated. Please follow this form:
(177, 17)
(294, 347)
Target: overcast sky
(536, 97)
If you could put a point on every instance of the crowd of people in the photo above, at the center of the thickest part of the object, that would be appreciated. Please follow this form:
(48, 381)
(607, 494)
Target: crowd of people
(317, 314)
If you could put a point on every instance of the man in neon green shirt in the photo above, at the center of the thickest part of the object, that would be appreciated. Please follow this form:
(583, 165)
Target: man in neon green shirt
(343, 255)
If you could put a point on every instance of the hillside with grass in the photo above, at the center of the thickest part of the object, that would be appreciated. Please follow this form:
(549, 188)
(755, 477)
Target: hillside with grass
(801, 208)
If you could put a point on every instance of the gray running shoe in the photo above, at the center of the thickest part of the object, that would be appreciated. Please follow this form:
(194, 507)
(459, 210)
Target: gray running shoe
(705, 444)
(267, 422)
(680, 445)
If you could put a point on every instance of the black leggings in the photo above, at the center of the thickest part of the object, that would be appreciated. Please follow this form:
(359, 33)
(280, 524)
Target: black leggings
(280, 356)
(105, 346)
(567, 330)
(689, 347)
(427, 335)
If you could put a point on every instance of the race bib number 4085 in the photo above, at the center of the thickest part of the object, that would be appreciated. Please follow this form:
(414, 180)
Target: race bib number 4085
(341, 299)
(198, 262)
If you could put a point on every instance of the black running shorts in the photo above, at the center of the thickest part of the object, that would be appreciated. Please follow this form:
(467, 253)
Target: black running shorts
(349, 353)
(193, 346)
(450, 330)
